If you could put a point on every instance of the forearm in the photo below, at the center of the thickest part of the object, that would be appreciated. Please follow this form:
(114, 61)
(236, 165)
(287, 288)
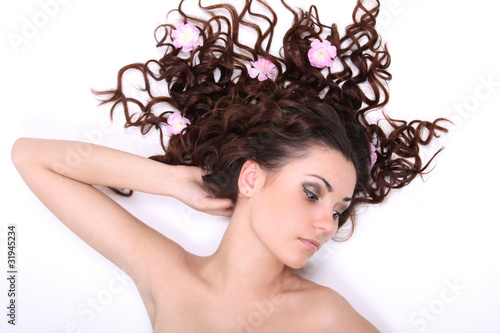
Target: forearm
(95, 165)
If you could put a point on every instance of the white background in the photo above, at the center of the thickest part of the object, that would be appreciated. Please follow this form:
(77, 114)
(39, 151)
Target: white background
(427, 260)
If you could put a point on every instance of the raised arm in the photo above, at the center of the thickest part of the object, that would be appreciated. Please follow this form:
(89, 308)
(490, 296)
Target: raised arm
(61, 175)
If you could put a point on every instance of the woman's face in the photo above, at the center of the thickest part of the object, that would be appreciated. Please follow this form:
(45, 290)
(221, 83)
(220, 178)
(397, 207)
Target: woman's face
(298, 208)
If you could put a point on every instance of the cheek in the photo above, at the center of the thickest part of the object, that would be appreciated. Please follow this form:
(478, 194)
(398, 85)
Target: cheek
(329, 236)
(280, 220)
(274, 217)
(279, 224)
(280, 209)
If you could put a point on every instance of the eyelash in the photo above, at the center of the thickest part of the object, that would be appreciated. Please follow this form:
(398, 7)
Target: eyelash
(310, 195)
(313, 197)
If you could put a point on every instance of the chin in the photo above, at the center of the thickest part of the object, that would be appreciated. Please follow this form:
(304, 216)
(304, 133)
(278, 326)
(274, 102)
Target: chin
(298, 263)
(295, 267)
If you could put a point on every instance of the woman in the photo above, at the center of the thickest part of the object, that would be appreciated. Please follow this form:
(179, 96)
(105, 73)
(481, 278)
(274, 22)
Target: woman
(282, 144)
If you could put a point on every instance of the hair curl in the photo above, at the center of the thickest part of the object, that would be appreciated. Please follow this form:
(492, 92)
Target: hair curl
(235, 118)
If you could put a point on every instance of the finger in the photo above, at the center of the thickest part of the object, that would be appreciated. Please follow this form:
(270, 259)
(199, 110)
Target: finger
(217, 204)
(221, 207)
(221, 212)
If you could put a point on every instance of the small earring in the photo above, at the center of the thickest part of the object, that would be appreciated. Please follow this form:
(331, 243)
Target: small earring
(240, 195)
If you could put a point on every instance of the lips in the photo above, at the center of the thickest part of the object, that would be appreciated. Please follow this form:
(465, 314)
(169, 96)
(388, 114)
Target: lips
(311, 244)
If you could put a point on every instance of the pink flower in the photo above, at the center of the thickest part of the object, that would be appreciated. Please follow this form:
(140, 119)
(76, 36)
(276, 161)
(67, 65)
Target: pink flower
(373, 157)
(263, 68)
(186, 36)
(321, 54)
(176, 123)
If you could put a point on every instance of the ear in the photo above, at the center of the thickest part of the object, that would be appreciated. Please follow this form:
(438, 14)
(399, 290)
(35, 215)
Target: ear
(251, 179)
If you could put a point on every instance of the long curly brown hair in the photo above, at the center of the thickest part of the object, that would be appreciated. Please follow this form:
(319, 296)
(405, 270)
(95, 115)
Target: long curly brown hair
(235, 117)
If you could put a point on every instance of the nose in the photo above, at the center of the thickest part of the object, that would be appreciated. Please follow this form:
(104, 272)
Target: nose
(325, 220)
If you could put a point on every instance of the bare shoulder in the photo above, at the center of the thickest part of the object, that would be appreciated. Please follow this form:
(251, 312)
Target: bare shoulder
(335, 314)
(165, 261)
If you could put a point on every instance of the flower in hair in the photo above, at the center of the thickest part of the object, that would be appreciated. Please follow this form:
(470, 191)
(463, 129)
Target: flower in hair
(262, 68)
(176, 123)
(373, 156)
(186, 36)
(321, 54)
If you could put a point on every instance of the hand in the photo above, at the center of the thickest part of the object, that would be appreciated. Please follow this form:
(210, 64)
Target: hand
(190, 190)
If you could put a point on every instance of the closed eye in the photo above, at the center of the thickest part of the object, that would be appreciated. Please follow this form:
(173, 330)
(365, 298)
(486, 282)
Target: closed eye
(310, 195)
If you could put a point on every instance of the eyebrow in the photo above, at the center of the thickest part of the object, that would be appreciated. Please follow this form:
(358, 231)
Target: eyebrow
(328, 186)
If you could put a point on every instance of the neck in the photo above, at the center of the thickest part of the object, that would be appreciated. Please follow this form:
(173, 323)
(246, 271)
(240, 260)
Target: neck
(242, 263)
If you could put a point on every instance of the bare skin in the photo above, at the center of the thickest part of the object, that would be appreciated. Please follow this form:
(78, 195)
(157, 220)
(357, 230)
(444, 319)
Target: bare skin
(246, 285)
